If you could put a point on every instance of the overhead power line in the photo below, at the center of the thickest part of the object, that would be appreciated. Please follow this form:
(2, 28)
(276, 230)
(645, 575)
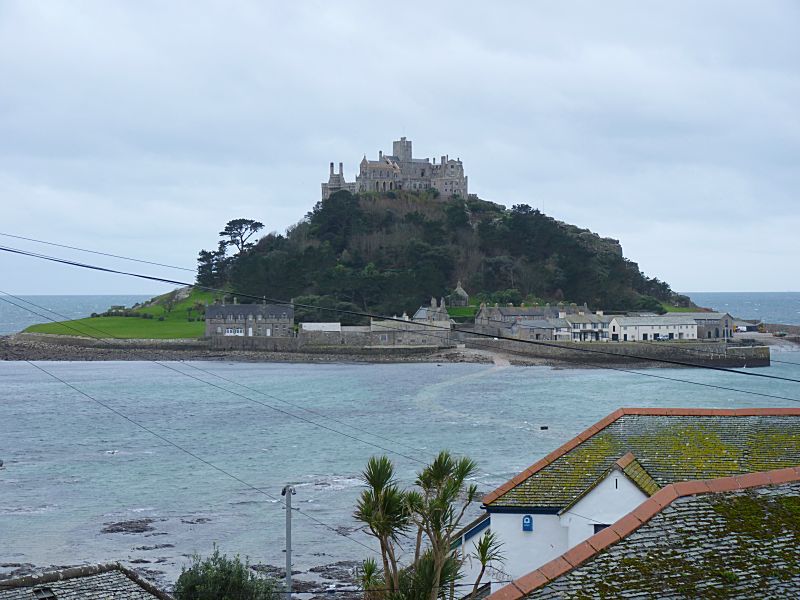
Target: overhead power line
(212, 374)
(138, 260)
(188, 452)
(595, 351)
(428, 334)
(244, 397)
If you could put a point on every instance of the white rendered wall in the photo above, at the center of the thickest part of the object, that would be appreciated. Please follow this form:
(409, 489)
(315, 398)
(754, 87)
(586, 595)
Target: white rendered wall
(528, 550)
(609, 501)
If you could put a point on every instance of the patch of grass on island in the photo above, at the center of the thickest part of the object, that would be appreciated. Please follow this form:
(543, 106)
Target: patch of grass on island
(162, 318)
(462, 312)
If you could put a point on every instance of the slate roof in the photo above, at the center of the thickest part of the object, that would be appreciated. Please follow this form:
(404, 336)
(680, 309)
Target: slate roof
(270, 311)
(538, 323)
(95, 582)
(655, 320)
(708, 316)
(735, 537)
(669, 444)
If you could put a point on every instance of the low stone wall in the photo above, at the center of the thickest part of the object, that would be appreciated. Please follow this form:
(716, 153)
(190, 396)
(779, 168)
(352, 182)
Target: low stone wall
(718, 354)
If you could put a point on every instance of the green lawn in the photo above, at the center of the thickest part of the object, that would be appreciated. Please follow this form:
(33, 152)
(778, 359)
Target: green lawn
(123, 327)
(462, 311)
(176, 322)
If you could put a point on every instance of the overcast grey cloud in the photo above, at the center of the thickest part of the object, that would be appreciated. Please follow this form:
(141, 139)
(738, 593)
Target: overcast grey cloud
(140, 128)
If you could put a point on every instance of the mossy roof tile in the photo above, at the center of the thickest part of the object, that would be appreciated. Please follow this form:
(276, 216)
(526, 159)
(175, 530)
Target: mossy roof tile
(669, 445)
(738, 543)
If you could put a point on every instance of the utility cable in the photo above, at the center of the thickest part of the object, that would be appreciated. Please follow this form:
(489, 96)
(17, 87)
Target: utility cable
(623, 370)
(371, 315)
(275, 408)
(207, 372)
(138, 260)
(190, 453)
(427, 334)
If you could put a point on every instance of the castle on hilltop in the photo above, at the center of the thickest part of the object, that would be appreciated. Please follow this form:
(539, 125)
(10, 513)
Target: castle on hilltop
(401, 171)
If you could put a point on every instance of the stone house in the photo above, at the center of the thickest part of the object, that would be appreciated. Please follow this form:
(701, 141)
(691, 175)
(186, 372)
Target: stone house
(713, 325)
(645, 329)
(250, 320)
(430, 326)
(534, 329)
(459, 297)
(578, 327)
(587, 327)
(496, 320)
(616, 465)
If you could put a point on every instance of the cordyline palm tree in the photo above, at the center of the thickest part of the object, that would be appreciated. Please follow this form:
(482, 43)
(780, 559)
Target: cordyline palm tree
(436, 508)
(487, 550)
(439, 506)
(383, 507)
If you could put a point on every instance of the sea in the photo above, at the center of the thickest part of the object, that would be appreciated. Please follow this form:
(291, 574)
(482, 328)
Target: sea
(770, 307)
(196, 453)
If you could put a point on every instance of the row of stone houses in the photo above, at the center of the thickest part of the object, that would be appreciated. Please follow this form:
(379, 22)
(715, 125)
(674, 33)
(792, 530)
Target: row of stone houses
(650, 484)
(578, 324)
(561, 323)
(430, 326)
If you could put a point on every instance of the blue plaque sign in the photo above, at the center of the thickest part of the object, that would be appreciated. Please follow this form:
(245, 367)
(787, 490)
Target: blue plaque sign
(527, 523)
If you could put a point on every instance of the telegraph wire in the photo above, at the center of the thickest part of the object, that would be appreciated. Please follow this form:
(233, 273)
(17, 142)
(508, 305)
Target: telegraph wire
(280, 410)
(633, 372)
(211, 465)
(254, 390)
(443, 337)
(138, 260)
(372, 315)
(38, 241)
(190, 453)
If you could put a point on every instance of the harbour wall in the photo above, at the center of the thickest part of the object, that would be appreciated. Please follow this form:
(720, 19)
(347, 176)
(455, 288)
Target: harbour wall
(716, 354)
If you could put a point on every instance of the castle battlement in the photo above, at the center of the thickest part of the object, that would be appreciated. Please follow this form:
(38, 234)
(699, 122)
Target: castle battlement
(401, 171)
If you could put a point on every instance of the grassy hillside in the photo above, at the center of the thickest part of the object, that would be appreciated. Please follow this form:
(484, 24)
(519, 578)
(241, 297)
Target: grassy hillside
(164, 317)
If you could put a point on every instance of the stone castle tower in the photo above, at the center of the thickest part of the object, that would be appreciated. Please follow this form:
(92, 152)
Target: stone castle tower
(401, 171)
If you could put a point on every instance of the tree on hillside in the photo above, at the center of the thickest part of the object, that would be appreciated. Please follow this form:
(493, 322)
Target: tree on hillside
(238, 231)
(432, 513)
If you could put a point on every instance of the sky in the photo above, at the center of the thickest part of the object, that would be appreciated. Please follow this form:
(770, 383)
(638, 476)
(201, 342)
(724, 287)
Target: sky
(141, 128)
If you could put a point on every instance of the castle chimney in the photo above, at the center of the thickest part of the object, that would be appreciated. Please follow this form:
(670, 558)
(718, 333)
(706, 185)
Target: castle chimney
(444, 160)
(380, 154)
(331, 169)
(341, 171)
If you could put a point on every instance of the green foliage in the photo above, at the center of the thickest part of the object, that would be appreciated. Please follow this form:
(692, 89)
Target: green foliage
(390, 254)
(221, 578)
(434, 509)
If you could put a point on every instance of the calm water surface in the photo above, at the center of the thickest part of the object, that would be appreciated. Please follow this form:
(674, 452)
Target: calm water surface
(73, 466)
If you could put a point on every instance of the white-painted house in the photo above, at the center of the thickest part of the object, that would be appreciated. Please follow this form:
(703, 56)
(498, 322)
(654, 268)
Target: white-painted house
(614, 466)
(644, 329)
